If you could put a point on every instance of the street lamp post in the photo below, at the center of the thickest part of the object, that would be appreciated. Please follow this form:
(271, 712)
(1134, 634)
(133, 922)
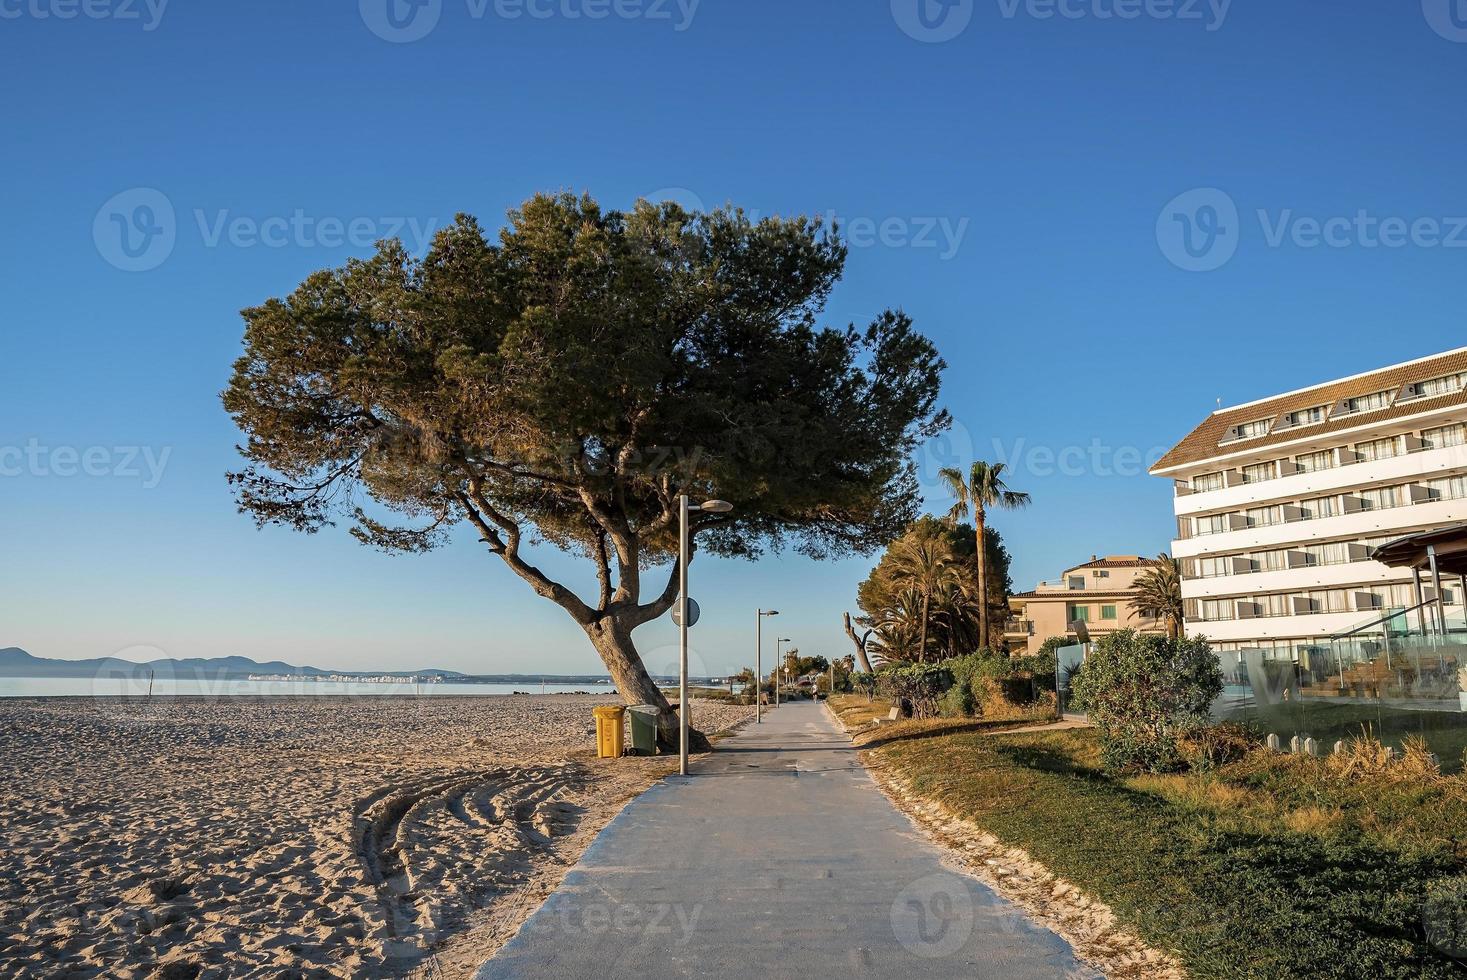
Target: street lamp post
(685, 541)
(778, 666)
(759, 662)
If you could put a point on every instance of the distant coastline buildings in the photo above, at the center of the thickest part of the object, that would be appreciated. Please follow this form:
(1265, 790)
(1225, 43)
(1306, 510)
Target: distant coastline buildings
(1280, 501)
(348, 678)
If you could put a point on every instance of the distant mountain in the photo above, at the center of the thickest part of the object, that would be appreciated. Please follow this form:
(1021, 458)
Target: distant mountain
(15, 662)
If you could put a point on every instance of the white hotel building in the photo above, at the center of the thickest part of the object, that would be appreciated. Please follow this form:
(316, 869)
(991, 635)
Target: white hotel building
(1280, 501)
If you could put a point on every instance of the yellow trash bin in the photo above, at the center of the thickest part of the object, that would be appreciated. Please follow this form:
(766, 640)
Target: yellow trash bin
(609, 731)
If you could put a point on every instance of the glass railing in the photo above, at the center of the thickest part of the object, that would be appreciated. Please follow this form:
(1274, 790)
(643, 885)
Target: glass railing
(1402, 673)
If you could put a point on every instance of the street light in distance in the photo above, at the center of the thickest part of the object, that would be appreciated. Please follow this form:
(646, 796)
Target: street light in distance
(779, 666)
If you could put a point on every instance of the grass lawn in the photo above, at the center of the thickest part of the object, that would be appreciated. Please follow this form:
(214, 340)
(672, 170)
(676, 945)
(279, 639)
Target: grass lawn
(1444, 731)
(1272, 867)
(857, 709)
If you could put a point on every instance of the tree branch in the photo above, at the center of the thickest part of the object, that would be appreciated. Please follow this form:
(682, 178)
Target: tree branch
(505, 542)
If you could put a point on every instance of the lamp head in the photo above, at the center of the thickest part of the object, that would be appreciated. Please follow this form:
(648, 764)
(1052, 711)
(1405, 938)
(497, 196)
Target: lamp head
(716, 506)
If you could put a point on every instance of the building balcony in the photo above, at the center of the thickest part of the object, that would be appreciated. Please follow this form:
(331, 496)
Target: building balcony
(1361, 524)
(1405, 468)
(1365, 573)
(1018, 627)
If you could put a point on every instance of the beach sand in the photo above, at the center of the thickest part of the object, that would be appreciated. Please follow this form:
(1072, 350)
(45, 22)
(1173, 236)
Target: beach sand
(294, 837)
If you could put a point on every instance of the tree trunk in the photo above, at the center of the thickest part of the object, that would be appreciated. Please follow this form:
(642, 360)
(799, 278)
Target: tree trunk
(979, 521)
(860, 645)
(922, 641)
(614, 642)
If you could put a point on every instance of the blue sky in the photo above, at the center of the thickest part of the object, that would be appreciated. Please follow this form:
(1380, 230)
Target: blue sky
(1035, 190)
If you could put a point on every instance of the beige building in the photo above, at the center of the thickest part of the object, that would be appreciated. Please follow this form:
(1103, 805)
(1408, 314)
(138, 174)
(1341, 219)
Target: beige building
(1097, 593)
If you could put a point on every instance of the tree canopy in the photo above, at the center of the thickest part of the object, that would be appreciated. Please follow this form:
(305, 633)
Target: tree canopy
(566, 380)
(890, 598)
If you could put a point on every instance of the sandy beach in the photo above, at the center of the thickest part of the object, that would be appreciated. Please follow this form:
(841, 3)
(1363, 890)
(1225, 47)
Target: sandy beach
(293, 837)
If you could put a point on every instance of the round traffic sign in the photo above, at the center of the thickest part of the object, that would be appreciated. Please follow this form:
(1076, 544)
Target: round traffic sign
(693, 612)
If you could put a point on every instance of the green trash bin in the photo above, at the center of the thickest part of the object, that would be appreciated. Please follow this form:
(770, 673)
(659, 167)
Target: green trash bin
(644, 728)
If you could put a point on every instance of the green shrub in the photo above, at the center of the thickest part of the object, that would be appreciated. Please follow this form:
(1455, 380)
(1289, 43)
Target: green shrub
(1041, 668)
(993, 685)
(919, 687)
(1144, 694)
(958, 702)
(1214, 746)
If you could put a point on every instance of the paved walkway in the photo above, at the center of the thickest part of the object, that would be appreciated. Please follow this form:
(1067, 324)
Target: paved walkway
(778, 857)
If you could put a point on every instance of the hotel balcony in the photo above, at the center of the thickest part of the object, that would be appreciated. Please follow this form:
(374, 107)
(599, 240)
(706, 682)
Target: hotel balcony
(1236, 495)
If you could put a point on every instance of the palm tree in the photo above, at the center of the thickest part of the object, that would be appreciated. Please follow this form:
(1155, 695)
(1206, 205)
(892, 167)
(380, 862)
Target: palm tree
(897, 629)
(925, 566)
(1159, 593)
(983, 489)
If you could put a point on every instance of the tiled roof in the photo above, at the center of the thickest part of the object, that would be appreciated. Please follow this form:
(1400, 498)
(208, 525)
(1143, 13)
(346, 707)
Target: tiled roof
(1074, 595)
(1206, 441)
(1116, 561)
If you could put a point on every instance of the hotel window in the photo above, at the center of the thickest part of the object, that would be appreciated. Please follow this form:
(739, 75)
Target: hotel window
(1216, 610)
(1077, 582)
(1078, 614)
(1448, 487)
(1443, 437)
(1383, 499)
(1403, 595)
(1107, 612)
(1368, 403)
(1327, 554)
(1250, 430)
(1206, 482)
(1378, 449)
(1214, 567)
(1262, 516)
(1319, 507)
(1216, 524)
(1313, 462)
(1328, 600)
(1451, 384)
(1270, 561)
(1305, 416)
(1258, 472)
(1275, 605)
